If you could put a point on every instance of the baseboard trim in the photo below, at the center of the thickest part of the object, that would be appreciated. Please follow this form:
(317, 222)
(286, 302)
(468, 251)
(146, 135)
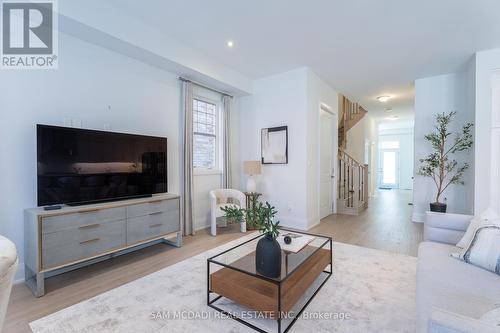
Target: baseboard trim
(19, 277)
(201, 223)
(292, 223)
(198, 228)
(314, 225)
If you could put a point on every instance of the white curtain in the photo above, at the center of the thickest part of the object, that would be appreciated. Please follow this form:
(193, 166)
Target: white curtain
(226, 126)
(187, 158)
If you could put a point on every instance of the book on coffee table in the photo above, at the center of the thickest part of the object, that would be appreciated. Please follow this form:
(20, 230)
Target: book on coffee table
(299, 241)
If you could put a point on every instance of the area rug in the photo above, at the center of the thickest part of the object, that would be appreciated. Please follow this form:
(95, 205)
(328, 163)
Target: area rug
(370, 291)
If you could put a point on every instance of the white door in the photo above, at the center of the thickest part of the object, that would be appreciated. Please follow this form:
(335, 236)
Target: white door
(327, 172)
(389, 168)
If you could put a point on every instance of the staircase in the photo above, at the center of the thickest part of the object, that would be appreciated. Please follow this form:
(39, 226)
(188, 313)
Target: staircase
(352, 185)
(353, 176)
(350, 114)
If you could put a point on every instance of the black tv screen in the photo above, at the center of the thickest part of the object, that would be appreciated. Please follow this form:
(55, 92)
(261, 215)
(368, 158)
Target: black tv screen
(79, 166)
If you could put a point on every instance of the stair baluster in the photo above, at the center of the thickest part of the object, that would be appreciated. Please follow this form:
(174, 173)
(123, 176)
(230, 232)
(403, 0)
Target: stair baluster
(352, 184)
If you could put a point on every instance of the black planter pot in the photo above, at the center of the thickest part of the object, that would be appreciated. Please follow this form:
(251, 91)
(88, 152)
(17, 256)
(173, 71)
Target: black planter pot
(268, 257)
(438, 207)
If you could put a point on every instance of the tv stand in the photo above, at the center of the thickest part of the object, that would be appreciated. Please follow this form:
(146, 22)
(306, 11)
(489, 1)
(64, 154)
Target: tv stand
(72, 237)
(82, 203)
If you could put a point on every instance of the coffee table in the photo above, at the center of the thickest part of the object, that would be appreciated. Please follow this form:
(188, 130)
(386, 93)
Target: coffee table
(233, 280)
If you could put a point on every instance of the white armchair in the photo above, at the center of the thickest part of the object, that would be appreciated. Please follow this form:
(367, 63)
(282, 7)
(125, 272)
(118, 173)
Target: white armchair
(8, 265)
(219, 199)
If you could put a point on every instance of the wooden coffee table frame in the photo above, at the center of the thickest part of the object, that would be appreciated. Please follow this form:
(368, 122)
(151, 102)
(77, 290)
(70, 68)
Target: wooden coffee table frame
(279, 284)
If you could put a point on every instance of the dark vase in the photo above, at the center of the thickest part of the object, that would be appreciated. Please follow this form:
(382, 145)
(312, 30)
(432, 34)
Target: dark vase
(438, 207)
(268, 257)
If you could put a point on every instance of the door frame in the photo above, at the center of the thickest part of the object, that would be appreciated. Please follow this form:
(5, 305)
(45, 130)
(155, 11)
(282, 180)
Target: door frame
(381, 171)
(335, 145)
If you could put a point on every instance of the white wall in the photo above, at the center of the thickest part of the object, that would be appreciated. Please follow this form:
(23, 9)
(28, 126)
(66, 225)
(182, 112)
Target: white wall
(293, 99)
(279, 100)
(473, 90)
(486, 129)
(434, 95)
(365, 132)
(494, 189)
(100, 88)
(318, 93)
(371, 140)
(355, 141)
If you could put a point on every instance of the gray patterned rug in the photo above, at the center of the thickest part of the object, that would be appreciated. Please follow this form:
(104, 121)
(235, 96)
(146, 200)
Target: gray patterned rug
(370, 291)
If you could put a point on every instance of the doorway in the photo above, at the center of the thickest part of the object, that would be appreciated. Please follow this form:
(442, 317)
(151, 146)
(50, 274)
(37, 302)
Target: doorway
(389, 168)
(327, 157)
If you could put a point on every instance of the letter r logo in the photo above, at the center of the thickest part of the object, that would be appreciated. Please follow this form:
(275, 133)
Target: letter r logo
(27, 27)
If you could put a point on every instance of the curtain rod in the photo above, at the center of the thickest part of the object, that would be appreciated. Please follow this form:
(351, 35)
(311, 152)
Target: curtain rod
(204, 86)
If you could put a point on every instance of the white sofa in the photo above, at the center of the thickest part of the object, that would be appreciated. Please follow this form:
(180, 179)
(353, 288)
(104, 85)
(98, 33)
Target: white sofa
(8, 265)
(452, 295)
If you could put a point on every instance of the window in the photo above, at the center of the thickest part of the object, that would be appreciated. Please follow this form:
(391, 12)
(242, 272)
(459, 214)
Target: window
(389, 145)
(205, 138)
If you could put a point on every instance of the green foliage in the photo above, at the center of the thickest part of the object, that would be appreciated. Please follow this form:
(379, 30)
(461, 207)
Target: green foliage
(252, 212)
(439, 165)
(261, 215)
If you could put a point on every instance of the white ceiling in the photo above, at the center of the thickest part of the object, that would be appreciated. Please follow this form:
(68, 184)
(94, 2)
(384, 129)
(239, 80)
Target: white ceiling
(363, 48)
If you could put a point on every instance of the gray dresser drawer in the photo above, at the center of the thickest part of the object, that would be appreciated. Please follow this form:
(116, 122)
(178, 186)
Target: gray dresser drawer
(68, 246)
(152, 207)
(153, 225)
(75, 220)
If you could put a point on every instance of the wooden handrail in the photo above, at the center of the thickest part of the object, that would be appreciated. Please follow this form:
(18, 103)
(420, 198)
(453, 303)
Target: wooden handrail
(349, 115)
(349, 158)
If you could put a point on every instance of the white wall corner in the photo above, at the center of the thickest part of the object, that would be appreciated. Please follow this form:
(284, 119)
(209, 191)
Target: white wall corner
(19, 277)
(201, 224)
(418, 217)
(293, 223)
(313, 223)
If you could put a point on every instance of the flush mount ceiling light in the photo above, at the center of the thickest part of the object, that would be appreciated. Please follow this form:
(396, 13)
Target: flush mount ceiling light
(383, 98)
(230, 44)
(392, 118)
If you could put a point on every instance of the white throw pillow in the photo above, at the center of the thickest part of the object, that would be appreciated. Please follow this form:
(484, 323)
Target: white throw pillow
(477, 221)
(484, 249)
(492, 317)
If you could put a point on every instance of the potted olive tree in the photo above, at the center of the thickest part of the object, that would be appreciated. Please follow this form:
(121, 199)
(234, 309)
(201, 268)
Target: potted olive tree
(268, 251)
(440, 165)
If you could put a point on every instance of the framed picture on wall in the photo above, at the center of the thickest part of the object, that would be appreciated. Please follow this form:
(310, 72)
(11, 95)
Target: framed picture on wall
(274, 145)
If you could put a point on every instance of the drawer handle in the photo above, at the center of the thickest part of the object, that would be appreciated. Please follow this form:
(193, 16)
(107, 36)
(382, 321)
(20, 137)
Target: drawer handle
(89, 226)
(155, 213)
(155, 225)
(156, 201)
(88, 211)
(89, 241)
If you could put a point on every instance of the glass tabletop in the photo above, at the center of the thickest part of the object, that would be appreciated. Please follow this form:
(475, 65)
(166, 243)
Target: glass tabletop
(242, 256)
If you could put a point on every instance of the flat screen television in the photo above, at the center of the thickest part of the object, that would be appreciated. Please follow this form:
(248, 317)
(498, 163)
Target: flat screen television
(80, 166)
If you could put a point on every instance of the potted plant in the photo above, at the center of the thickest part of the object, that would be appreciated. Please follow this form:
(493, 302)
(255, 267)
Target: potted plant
(439, 164)
(251, 212)
(268, 251)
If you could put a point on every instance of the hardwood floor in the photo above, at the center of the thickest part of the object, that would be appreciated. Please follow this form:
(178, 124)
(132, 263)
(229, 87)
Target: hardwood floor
(385, 225)
(75, 286)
